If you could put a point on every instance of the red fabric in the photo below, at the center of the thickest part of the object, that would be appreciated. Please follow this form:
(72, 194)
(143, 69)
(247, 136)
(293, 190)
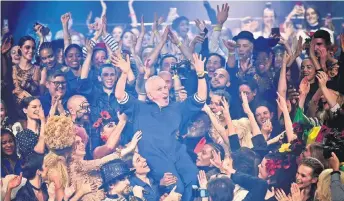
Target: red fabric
(200, 145)
(81, 132)
(101, 45)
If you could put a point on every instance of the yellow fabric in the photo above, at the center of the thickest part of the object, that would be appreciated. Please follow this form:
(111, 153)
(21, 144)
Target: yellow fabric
(313, 134)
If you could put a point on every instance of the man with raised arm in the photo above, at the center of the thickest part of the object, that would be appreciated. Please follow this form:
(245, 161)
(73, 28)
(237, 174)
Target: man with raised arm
(159, 122)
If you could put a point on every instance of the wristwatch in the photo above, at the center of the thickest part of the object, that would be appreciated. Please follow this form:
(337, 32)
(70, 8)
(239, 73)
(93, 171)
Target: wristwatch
(203, 193)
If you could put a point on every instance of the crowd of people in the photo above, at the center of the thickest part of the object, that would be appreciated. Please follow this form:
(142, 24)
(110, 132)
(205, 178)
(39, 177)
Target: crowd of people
(169, 113)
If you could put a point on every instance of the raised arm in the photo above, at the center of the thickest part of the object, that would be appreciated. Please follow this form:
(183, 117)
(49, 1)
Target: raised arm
(124, 65)
(86, 66)
(132, 14)
(40, 146)
(155, 53)
(183, 47)
(282, 82)
(250, 115)
(199, 68)
(138, 46)
(330, 97)
(113, 139)
(66, 37)
(287, 121)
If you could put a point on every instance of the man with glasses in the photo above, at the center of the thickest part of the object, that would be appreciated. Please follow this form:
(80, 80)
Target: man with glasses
(55, 102)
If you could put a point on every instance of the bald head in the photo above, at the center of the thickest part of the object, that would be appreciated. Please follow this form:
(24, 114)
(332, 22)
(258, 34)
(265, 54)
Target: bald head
(220, 80)
(157, 91)
(78, 107)
(167, 76)
(75, 101)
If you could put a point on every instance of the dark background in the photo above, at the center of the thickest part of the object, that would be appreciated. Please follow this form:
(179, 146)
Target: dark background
(23, 14)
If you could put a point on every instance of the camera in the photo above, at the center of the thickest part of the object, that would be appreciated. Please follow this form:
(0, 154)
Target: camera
(334, 142)
(45, 30)
(182, 69)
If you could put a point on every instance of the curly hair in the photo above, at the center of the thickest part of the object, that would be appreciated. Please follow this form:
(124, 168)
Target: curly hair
(55, 163)
(59, 133)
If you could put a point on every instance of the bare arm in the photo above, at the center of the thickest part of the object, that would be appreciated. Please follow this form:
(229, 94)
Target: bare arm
(40, 146)
(138, 46)
(202, 84)
(66, 37)
(155, 53)
(112, 141)
(132, 13)
(287, 121)
(86, 66)
(330, 97)
(124, 65)
(250, 115)
(282, 82)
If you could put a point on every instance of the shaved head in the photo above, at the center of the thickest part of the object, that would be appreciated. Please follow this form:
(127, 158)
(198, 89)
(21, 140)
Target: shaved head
(78, 107)
(74, 101)
(157, 91)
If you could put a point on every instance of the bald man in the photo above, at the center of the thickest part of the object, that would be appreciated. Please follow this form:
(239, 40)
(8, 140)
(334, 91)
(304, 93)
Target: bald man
(220, 79)
(159, 122)
(79, 109)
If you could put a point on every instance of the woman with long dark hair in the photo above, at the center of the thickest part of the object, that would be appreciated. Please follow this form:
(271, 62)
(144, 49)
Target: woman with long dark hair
(10, 162)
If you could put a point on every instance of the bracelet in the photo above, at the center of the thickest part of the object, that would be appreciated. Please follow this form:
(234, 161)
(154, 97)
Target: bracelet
(201, 77)
(179, 44)
(156, 32)
(231, 53)
(175, 77)
(218, 28)
(202, 73)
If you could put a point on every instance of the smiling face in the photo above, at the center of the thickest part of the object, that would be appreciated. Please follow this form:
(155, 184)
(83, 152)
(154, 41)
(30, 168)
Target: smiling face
(263, 114)
(73, 58)
(28, 50)
(244, 48)
(312, 16)
(99, 58)
(47, 57)
(158, 92)
(15, 55)
(204, 156)
(213, 63)
(183, 28)
(32, 111)
(304, 177)
(140, 164)
(117, 32)
(262, 62)
(57, 86)
(79, 147)
(268, 17)
(308, 70)
(127, 39)
(108, 77)
(215, 104)
(7, 144)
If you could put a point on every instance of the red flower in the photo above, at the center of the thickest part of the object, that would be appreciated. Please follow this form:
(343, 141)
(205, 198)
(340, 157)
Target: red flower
(105, 115)
(96, 124)
(104, 137)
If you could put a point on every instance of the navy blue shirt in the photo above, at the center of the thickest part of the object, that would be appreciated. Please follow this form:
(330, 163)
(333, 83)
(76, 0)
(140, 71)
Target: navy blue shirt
(159, 126)
(46, 102)
(151, 192)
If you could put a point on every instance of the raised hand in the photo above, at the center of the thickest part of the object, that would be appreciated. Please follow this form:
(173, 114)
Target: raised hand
(68, 192)
(267, 127)
(88, 187)
(142, 26)
(222, 14)
(299, 47)
(6, 46)
(198, 39)
(281, 102)
(246, 65)
(138, 191)
(225, 107)
(198, 63)
(136, 138)
(230, 45)
(296, 194)
(173, 37)
(157, 22)
(89, 47)
(65, 18)
(334, 162)
(245, 105)
(38, 30)
(322, 79)
(121, 117)
(216, 160)
(200, 25)
(118, 61)
(304, 87)
(281, 196)
(202, 179)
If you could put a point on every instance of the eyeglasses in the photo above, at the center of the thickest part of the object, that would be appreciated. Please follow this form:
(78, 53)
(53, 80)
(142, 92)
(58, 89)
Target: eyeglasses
(57, 84)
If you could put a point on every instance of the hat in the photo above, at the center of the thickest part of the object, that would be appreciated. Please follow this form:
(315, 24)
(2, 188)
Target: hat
(244, 35)
(113, 171)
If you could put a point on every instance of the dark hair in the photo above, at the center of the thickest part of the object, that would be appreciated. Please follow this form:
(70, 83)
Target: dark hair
(313, 163)
(316, 149)
(324, 35)
(4, 132)
(125, 31)
(177, 21)
(250, 83)
(22, 40)
(263, 104)
(57, 44)
(221, 189)
(55, 73)
(222, 60)
(26, 101)
(283, 176)
(218, 148)
(34, 163)
(224, 94)
(244, 161)
(165, 57)
(107, 66)
(72, 46)
(46, 45)
(307, 26)
(97, 49)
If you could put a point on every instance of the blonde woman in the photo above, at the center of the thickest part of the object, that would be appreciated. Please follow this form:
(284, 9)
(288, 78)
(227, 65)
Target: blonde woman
(243, 130)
